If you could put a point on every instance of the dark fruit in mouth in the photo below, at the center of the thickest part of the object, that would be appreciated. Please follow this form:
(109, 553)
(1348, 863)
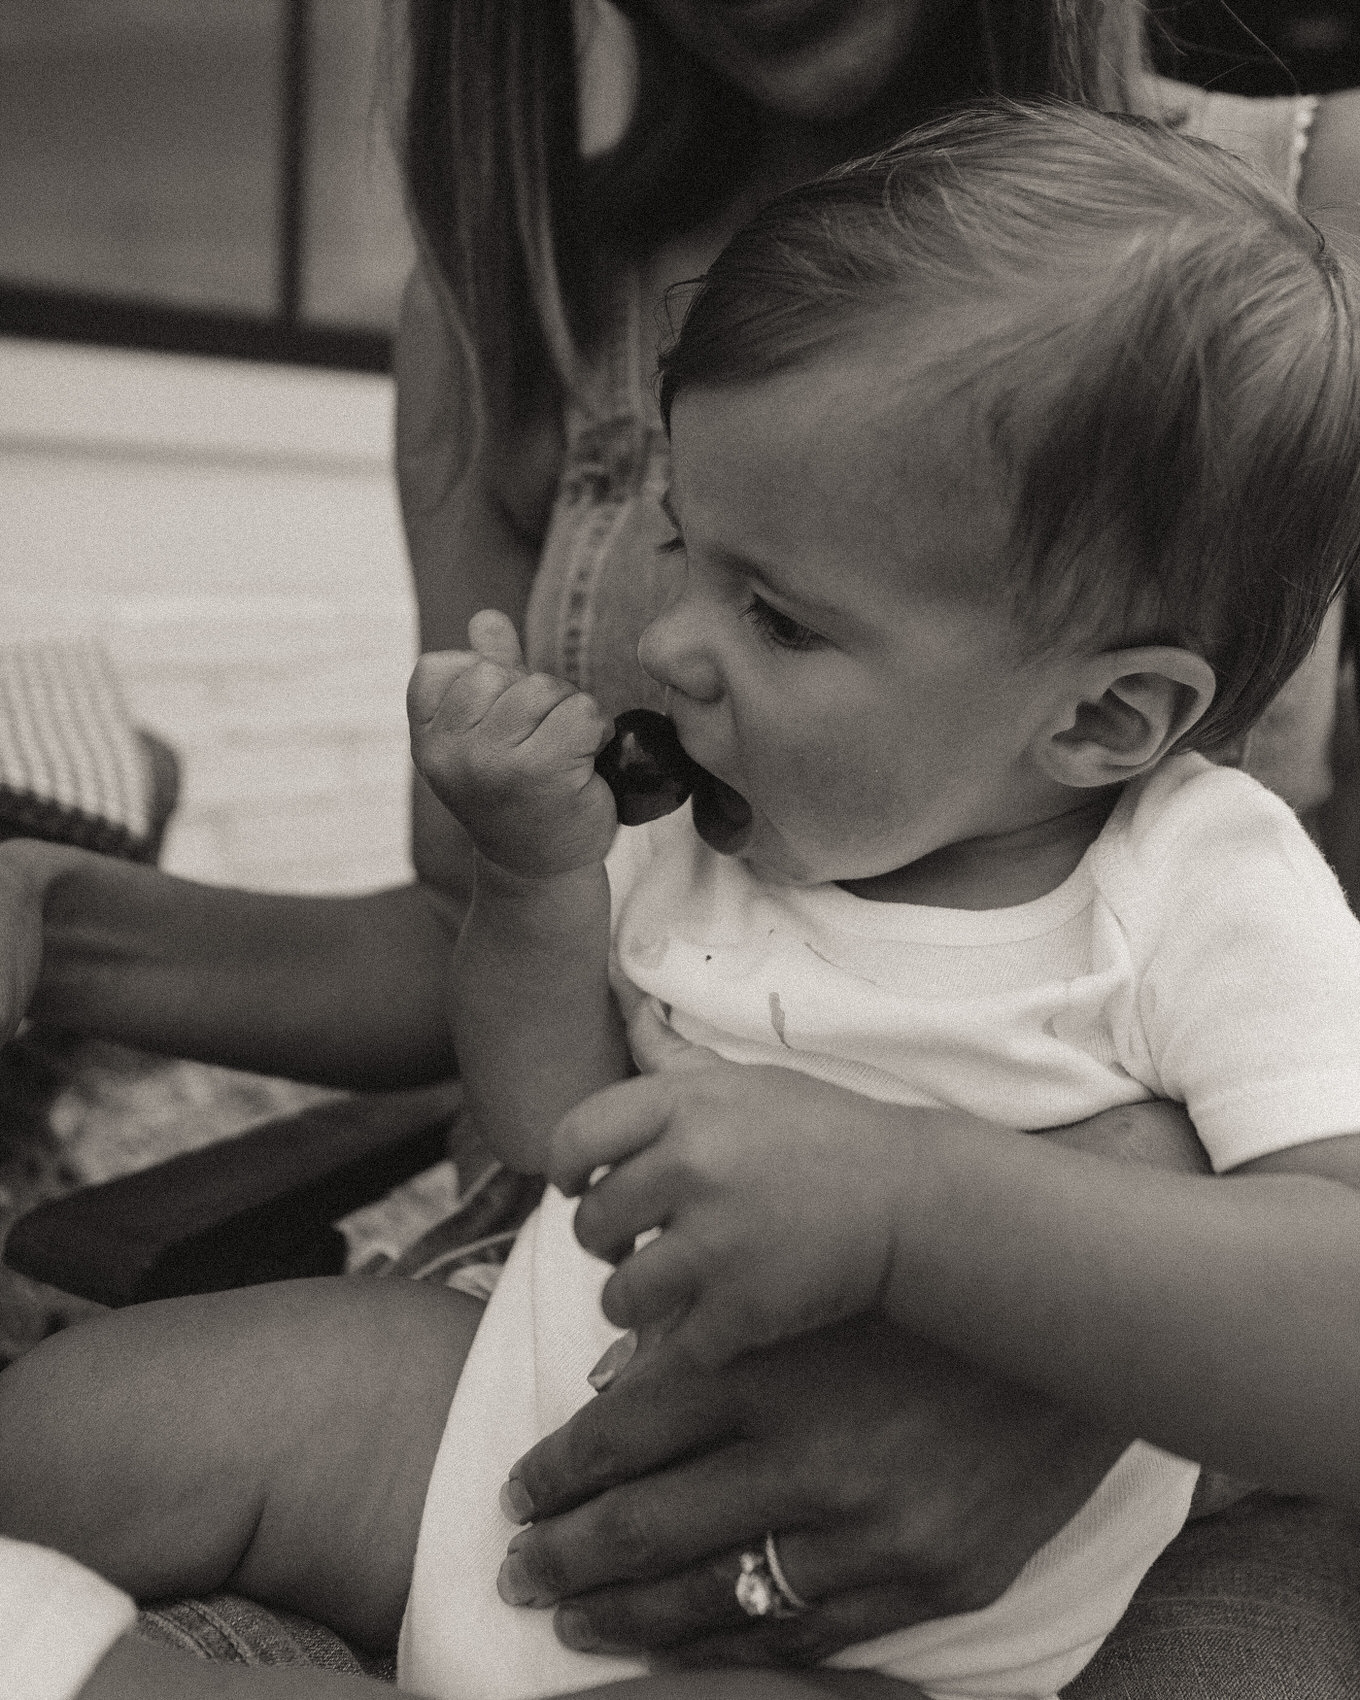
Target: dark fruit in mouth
(646, 767)
(644, 764)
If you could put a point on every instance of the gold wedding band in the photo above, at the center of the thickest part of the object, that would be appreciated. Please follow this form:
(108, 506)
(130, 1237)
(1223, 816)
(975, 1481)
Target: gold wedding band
(763, 1590)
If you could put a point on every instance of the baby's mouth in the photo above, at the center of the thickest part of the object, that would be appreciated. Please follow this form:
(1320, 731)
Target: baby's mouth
(651, 774)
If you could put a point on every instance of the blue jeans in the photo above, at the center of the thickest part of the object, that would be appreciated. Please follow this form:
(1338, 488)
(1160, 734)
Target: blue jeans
(1260, 1602)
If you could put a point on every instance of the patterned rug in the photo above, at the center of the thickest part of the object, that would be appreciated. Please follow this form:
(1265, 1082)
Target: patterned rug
(74, 1111)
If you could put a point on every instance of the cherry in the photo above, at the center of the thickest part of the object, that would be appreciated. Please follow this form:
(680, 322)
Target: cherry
(644, 764)
(646, 767)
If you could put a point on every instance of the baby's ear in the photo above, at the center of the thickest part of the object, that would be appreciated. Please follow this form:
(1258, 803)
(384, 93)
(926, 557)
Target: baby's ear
(1123, 712)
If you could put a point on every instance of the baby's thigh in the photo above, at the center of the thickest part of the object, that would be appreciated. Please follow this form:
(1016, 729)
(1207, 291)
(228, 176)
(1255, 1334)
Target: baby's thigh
(276, 1440)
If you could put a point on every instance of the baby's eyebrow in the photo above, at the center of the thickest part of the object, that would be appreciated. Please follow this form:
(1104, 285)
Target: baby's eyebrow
(668, 508)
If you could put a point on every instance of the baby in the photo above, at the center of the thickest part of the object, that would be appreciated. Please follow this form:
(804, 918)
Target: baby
(1011, 469)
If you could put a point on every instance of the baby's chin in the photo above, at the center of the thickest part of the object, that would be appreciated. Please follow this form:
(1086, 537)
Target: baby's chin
(774, 862)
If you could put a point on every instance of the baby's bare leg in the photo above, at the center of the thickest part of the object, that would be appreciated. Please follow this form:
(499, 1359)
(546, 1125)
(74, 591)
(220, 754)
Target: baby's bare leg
(275, 1441)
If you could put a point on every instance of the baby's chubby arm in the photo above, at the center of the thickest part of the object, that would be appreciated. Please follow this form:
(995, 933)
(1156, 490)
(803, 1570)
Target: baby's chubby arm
(511, 754)
(1218, 1316)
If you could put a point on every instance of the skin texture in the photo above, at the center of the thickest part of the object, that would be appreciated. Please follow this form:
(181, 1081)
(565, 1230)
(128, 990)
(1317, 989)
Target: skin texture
(832, 553)
(226, 1442)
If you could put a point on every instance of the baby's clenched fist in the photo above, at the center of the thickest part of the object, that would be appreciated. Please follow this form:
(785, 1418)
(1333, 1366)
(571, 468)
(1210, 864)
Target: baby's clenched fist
(511, 754)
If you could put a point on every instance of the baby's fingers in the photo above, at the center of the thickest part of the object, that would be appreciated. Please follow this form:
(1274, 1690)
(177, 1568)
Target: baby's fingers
(432, 678)
(606, 1128)
(493, 635)
(651, 1286)
(666, 1285)
(631, 1199)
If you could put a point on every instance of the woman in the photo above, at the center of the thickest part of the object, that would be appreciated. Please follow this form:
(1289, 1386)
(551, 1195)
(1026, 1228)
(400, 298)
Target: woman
(542, 279)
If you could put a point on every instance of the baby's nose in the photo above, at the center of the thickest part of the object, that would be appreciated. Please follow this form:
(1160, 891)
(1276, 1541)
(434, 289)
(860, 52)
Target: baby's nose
(673, 651)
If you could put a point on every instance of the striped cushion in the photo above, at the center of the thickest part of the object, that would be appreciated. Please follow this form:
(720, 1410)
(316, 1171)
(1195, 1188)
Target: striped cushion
(73, 767)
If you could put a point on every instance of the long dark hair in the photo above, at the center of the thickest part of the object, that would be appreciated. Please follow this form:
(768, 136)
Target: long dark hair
(520, 230)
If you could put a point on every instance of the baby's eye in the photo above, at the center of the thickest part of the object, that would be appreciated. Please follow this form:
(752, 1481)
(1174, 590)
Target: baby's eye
(673, 545)
(779, 629)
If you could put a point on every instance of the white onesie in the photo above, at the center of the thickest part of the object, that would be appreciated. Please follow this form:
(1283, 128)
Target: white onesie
(1202, 952)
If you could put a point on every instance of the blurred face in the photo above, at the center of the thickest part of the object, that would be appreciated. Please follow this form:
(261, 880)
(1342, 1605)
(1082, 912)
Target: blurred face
(823, 654)
(811, 59)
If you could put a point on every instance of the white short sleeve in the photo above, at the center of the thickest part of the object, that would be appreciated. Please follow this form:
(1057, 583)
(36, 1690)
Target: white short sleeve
(57, 1621)
(1249, 987)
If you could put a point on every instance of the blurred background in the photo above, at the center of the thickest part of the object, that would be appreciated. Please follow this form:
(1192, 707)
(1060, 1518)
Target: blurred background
(201, 256)
(202, 251)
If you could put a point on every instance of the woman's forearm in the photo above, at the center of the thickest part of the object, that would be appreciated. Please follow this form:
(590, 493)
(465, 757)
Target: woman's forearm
(346, 991)
(1218, 1317)
(536, 1026)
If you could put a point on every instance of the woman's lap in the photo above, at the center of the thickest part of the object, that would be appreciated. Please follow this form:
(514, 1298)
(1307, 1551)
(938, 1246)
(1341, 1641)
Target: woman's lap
(232, 1630)
(1260, 1602)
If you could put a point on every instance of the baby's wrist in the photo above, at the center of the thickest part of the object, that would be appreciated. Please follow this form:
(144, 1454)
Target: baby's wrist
(494, 882)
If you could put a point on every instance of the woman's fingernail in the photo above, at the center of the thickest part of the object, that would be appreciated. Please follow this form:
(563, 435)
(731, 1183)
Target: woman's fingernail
(515, 1501)
(573, 1630)
(614, 1362)
(516, 1587)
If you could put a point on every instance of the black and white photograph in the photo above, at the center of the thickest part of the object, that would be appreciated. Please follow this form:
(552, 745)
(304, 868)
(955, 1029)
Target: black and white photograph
(679, 849)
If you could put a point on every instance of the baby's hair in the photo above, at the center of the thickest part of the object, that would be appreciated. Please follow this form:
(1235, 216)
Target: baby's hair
(1161, 352)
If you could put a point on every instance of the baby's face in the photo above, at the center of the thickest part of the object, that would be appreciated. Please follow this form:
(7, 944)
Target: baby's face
(824, 654)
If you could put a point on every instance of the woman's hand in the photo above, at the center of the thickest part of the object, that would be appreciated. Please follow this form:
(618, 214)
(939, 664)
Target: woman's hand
(511, 754)
(902, 1486)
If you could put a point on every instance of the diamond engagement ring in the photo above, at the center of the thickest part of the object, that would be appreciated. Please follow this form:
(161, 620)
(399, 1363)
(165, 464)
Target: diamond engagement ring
(763, 1589)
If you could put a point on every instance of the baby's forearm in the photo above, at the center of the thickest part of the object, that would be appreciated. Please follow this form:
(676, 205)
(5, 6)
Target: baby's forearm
(535, 1026)
(1218, 1317)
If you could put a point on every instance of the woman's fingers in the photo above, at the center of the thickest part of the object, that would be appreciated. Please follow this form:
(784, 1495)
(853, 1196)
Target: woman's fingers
(898, 1482)
(650, 1532)
(695, 1617)
(644, 1421)
(840, 1620)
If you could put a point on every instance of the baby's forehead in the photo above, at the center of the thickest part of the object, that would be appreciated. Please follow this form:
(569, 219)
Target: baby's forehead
(898, 419)
(837, 457)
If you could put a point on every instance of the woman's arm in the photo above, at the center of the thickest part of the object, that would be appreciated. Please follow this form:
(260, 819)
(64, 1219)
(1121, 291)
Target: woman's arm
(345, 991)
